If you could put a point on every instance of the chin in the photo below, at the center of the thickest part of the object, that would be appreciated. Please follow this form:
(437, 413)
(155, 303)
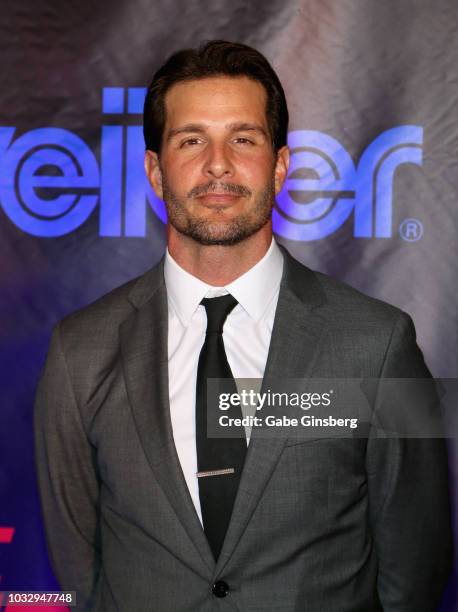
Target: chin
(222, 234)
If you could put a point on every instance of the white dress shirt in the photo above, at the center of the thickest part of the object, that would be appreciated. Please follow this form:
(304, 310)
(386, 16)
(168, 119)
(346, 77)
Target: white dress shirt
(246, 336)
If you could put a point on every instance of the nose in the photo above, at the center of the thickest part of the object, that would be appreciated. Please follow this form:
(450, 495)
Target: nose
(218, 163)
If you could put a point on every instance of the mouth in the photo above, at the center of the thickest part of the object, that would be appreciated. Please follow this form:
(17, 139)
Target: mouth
(218, 198)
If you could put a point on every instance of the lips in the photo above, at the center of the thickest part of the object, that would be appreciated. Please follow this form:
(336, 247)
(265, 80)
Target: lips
(218, 198)
(227, 196)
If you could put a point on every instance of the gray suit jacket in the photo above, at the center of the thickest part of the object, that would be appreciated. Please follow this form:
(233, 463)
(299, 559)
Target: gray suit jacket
(323, 525)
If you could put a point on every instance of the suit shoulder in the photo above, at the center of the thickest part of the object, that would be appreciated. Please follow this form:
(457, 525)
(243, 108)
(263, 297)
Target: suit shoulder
(351, 308)
(339, 300)
(115, 304)
(348, 299)
(100, 320)
(350, 313)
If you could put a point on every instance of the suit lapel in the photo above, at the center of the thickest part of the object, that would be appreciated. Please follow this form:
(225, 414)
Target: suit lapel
(294, 344)
(144, 349)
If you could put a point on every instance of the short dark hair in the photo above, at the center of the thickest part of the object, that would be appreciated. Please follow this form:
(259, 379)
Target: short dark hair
(214, 58)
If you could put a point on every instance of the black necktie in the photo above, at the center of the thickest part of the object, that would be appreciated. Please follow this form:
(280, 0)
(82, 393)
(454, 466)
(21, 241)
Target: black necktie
(219, 460)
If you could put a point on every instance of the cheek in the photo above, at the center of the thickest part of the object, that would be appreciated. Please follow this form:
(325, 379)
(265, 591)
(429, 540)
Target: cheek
(257, 172)
(189, 167)
(257, 162)
(181, 177)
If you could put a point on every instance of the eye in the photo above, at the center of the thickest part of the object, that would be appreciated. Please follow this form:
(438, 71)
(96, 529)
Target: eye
(243, 140)
(190, 142)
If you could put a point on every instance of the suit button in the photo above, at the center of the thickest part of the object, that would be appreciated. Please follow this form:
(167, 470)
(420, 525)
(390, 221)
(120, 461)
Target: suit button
(220, 588)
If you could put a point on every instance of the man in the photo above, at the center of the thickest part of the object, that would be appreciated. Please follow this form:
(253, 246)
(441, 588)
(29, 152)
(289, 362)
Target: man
(143, 510)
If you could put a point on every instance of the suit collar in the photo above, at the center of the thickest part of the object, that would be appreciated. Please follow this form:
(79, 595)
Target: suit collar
(301, 282)
(253, 290)
(147, 285)
(298, 280)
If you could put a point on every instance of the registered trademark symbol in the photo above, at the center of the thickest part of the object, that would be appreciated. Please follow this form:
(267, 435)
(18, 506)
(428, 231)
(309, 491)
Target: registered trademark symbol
(411, 230)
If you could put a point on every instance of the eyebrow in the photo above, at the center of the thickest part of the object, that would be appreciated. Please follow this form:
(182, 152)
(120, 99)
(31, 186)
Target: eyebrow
(200, 129)
(246, 127)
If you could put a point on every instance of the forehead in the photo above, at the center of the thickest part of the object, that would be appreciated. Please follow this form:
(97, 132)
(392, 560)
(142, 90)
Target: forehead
(214, 100)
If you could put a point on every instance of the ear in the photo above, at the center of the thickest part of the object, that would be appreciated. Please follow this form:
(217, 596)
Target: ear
(153, 172)
(281, 168)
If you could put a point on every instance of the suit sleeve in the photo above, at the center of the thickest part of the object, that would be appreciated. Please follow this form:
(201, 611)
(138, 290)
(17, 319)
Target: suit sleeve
(408, 495)
(67, 478)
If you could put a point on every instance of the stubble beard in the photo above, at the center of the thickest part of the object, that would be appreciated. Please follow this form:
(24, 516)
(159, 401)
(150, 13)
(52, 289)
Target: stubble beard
(224, 232)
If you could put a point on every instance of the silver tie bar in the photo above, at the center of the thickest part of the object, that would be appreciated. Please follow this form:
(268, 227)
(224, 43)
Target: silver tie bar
(215, 473)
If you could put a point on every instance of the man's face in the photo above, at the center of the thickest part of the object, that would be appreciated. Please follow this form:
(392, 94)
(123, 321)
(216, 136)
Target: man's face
(217, 173)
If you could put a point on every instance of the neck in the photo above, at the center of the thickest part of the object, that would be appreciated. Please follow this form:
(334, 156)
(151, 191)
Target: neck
(218, 265)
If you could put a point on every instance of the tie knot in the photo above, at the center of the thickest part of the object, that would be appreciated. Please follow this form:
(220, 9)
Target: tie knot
(218, 309)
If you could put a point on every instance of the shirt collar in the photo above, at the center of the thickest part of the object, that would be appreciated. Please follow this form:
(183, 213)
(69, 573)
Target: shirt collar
(254, 290)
